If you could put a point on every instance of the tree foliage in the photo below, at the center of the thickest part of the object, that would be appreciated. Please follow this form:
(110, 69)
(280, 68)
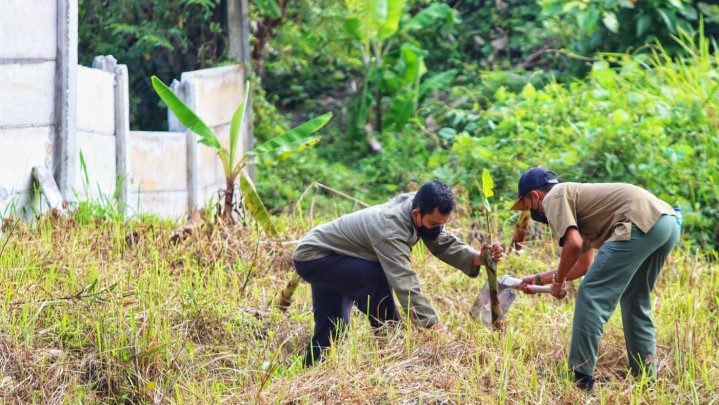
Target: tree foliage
(163, 38)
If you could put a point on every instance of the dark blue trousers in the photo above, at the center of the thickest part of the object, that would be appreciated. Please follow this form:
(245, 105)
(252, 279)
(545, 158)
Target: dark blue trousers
(337, 283)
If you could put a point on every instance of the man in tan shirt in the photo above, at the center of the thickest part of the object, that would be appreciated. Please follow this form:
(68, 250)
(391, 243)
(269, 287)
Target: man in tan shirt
(633, 232)
(362, 257)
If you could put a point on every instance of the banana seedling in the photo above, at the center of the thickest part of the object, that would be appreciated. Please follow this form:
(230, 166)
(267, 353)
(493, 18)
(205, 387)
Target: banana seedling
(491, 304)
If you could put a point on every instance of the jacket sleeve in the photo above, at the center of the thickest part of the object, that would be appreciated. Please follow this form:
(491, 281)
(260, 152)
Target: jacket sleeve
(449, 249)
(394, 257)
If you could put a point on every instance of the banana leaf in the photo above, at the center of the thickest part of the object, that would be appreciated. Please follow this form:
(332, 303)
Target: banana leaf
(437, 81)
(254, 204)
(389, 13)
(236, 125)
(186, 116)
(430, 17)
(403, 106)
(294, 140)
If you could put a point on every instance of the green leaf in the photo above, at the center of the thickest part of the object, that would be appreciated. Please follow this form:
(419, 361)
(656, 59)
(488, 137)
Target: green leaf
(437, 81)
(610, 21)
(710, 12)
(571, 5)
(430, 17)
(447, 133)
(294, 140)
(413, 58)
(487, 184)
(403, 106)
(529, 92)
(254, 204)
(643, 24)
(238, 118)
(352, 27)
(388, 14)
(667, 20)
(269, 8)
(185, 115)
(588, 20)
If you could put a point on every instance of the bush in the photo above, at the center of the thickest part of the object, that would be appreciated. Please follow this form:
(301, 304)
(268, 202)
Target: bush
(648, 120)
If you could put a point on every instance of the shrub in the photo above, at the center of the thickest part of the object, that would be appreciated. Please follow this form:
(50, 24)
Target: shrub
(648, 120)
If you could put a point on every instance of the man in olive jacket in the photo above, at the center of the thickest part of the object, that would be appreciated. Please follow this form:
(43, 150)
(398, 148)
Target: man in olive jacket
(633, 231)
(362, 257)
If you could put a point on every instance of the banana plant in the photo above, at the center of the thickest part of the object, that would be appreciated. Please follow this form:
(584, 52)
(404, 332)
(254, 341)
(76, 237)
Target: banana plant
(272, 151)
(374, 26)
(490, 264)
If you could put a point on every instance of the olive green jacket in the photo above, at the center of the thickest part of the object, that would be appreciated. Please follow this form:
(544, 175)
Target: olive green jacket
(386, 234)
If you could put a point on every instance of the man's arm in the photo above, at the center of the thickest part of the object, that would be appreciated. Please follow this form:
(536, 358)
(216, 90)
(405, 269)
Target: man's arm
(394, 257)
(451, 250)
(580, 268)
(582, 265)
(571, 250)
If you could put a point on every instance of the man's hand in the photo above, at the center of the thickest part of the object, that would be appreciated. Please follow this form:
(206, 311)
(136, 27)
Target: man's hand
(497, 254)
(497, 251)
(558, 291)
(526, 282)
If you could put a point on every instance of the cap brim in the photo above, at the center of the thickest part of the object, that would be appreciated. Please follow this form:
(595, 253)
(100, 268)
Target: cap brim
(518, 205)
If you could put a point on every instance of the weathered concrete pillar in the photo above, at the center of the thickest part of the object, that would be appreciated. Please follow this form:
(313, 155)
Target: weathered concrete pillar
(186, 92)
(238, 24)
(122, 123)
(122, 131)
(65, 148)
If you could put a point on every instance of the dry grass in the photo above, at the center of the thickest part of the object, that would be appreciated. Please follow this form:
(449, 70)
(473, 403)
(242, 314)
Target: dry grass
(100, 311)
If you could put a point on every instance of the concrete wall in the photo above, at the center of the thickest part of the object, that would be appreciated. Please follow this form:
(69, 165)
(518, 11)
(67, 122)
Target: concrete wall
(72, 120)
(27, 96)
(157, 178)
(96, 133)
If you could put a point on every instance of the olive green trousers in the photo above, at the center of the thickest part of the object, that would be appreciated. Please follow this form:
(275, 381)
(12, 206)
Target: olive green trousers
(624, 272)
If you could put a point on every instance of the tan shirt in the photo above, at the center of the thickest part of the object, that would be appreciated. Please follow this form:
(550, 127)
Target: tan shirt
(385, 234)
(603, 211)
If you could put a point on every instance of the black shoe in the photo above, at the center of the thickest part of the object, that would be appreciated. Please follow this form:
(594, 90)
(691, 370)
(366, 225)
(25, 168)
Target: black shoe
(583, 381)
(313, 355)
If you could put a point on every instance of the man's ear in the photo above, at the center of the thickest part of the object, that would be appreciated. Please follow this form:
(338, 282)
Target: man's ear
(536, 194)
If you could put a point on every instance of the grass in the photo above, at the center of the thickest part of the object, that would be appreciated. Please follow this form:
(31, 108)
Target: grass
(107, 311)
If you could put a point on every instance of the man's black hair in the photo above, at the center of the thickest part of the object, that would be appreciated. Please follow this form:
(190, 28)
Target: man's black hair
(431, 195)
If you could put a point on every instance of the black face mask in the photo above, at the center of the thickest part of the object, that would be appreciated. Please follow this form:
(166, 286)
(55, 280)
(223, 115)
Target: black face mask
(539, 216)
(429, 233)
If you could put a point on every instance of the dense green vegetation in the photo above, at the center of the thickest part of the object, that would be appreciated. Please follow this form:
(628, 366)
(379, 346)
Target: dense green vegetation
(447, 89)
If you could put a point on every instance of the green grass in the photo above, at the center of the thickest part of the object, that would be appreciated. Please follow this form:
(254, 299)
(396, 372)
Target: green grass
(101, 311)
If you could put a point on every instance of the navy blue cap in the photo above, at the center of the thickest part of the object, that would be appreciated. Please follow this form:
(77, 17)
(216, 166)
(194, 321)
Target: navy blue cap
(532, 179)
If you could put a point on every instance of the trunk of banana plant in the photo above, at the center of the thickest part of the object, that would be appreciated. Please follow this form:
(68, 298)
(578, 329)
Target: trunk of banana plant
(491, 266)
(227, 207)
(288, 292)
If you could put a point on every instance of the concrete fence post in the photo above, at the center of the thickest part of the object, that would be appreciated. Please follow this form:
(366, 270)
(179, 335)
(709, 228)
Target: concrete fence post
(65, 143)
(122, 130)
(122, 123)
(238, 23)
(185, 90)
